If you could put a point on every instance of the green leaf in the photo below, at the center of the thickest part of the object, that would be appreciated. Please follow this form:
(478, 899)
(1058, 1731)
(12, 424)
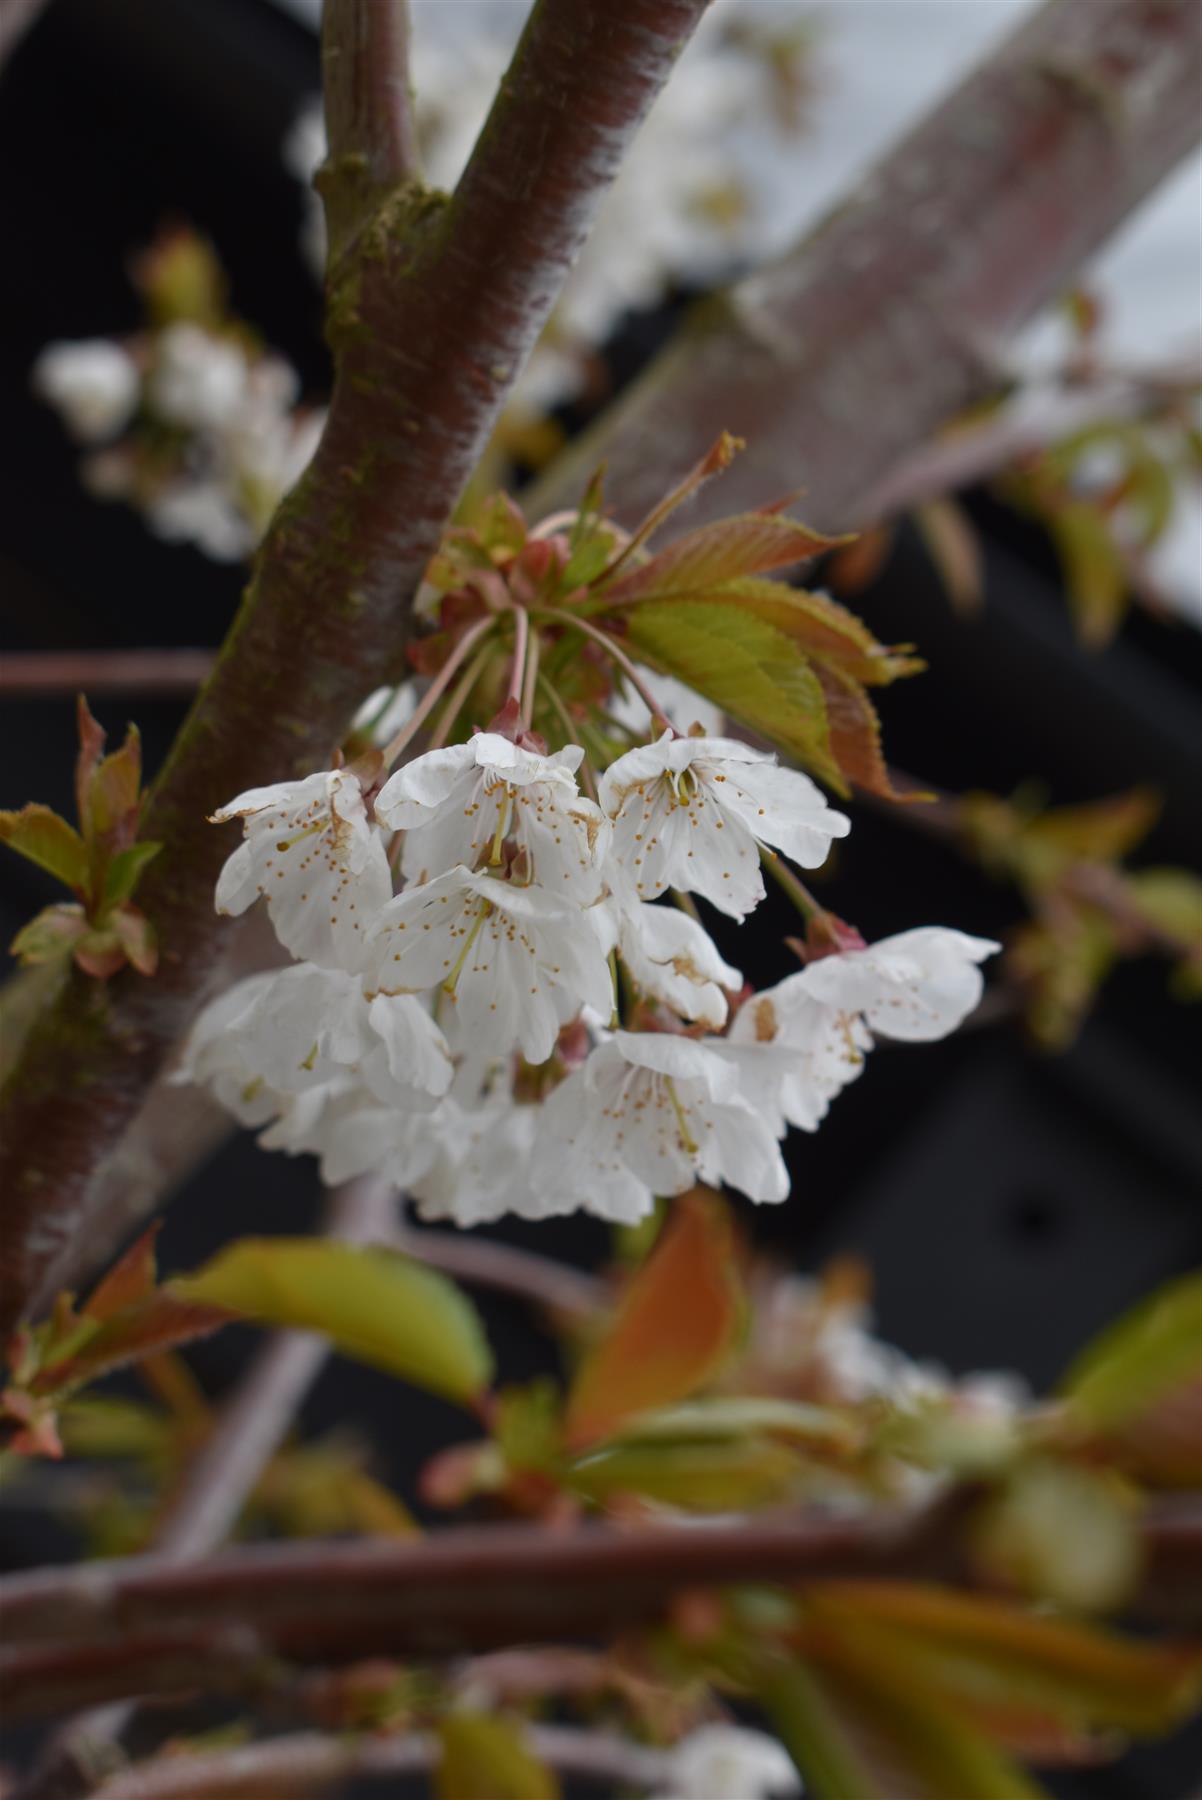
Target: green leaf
(1154, 1348)
(1060, 1532)
(739, 1415)
(374, 1305)
(39, 835)
(860, 1734)
(747, 667)
(125, 870)
(715, 1475)
(1093, 570)
(484, 1758)
(992, 1656)
(51, 935)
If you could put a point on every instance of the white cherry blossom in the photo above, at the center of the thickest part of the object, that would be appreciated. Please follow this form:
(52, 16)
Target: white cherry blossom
(663, 1109)
(513, 963)
(94, 386)
(198, 381)
(690, 813)
(305, 1027)
(793, 1052)
(728, 1762)
(312, 852)
(918, 985)
(668, 955)
(461, 804)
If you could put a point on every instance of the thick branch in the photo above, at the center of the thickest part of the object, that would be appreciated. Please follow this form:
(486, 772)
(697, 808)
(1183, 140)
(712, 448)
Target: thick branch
(836, 361)
(143, 1625)
(431, 315)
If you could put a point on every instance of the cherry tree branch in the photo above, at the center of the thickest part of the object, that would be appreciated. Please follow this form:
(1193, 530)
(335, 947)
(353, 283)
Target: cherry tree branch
(369, 111)
(52, 674)
(101, 1631)
(432, 307)
(889, 318)
(971, 453)
(303, 1761)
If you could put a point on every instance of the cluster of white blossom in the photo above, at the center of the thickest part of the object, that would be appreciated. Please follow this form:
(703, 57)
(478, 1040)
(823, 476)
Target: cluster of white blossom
(192, 426)
(692, 201)
(469, 1035)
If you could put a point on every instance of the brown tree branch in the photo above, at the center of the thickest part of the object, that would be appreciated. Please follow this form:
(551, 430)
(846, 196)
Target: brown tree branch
(303, 1761)
(431, 312)
(143, 1625)
(972, 453)
(523, 1274)
(836, 361)
(52, 674)
(369, 111)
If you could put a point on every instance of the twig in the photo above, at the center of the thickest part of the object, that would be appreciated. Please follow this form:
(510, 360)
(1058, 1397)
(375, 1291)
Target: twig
(431, 313)
(481, 1262)
(889, 318)
(303, 1761)
(971, 453)
(154, 674)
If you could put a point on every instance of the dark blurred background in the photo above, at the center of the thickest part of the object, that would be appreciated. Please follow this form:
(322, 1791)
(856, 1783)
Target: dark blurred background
(1008, 1202)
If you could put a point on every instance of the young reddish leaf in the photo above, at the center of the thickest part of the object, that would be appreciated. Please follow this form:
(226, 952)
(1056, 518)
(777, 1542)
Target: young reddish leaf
(857, 567)
(717, 458)
(159, 1322)
(747, 544)
(137, 938)
(973, 1649)
(855, 735)
(129, 1280)
(375, 1305)
(748, 668)
(91, 749)
(100, 953)
(115, 791)
(1162, 1445)
(955, 549)
(675, 1325)
(485, 1757)
(1142, 1358)
(39, 835)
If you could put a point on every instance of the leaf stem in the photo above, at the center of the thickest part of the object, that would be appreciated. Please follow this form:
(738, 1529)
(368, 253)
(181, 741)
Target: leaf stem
(438, 686)
(616, 655)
